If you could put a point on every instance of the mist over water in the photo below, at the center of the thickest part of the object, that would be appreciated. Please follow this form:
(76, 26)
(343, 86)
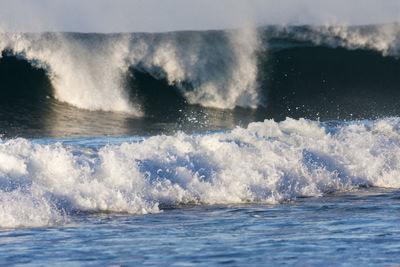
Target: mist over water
(161, 16)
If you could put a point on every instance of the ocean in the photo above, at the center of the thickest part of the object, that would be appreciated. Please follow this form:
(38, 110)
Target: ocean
(277, 145)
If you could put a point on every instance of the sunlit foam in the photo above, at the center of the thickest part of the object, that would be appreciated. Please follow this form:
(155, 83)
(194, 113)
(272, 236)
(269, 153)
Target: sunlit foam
(268, 162)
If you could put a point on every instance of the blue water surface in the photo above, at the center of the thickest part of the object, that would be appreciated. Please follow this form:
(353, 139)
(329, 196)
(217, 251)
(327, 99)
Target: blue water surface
(354, 229)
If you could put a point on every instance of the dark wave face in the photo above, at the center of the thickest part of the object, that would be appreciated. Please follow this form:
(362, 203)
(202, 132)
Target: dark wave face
(67, 84)
(332, 83)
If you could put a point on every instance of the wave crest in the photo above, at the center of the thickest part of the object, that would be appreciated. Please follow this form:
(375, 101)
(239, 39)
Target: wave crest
(88, 71)
(217, 69)
(221, 69)
(88, 74)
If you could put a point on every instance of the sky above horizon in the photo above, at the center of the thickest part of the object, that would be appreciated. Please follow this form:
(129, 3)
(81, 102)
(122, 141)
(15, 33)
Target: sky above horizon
(171, 15)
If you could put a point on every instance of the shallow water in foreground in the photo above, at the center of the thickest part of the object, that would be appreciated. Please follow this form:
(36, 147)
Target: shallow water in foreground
(297, 192)
(357, 228)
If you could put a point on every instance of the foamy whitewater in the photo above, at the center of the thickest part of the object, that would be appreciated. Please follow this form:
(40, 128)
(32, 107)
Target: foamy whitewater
(269, 162)
(277, 145)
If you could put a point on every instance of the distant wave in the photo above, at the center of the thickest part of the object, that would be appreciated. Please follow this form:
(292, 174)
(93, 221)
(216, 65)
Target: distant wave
(223, 69)
(43, 183)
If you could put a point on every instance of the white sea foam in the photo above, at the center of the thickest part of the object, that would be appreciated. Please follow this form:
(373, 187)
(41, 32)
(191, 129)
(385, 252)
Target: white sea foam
(268, 162)
(89, 71)
(86, 73)
(214, 69)
(383, 38)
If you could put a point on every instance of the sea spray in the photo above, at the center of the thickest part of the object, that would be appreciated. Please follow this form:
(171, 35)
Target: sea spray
(89, 71)
(213, 69)
(383, 38)
(220, 69)
(85, 72)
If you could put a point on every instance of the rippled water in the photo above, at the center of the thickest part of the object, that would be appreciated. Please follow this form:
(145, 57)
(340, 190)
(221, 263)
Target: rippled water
(358, 228)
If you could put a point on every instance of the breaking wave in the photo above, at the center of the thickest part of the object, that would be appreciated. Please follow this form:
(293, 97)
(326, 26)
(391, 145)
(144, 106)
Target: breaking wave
(45, 182)
(223, 69)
